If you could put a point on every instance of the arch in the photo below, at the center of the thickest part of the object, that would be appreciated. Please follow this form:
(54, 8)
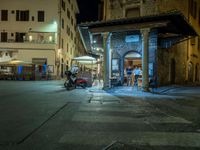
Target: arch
(190, 72)
(132, 54)
(172, 71)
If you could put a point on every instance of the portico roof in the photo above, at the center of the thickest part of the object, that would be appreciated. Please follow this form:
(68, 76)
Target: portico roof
(169, 24)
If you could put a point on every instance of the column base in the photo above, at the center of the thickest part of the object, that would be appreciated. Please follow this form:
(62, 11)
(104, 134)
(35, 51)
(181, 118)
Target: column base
(145, 89)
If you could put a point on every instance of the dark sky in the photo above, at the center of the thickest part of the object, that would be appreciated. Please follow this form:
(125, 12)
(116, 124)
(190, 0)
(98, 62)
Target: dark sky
(88, 10)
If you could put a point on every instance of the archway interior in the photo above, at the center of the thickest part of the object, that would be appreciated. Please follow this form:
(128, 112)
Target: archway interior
(131, 61)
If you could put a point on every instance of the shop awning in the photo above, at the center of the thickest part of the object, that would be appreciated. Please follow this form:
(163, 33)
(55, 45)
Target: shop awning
(15, 62)
(85, 59)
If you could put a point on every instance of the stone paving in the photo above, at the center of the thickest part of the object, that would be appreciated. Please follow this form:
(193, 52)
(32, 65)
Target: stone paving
(44, 116)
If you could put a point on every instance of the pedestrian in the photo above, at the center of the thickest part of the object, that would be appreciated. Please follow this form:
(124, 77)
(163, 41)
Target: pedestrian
(128, 75)
(137, 72)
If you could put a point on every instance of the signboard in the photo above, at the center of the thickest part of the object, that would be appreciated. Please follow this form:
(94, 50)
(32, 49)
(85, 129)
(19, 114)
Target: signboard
(132, 38)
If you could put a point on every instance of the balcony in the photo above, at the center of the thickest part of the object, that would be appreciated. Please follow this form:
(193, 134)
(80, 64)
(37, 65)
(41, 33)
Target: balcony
(27, 45)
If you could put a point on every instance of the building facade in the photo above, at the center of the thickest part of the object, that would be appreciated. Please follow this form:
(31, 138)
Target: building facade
(41, 32)
(176, 62)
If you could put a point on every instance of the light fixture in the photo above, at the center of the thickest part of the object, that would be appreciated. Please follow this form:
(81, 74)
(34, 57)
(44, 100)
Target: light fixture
(30, 38)
(50, 38)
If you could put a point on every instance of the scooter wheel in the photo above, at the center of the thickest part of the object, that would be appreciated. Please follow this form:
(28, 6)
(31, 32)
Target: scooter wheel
(84, 85)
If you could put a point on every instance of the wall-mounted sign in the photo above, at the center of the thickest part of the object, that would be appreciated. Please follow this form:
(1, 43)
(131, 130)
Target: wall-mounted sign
(132, 38)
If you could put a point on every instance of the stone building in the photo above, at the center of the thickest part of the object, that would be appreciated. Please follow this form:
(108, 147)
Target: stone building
(161, 34)
(41, 32)
(176, 62)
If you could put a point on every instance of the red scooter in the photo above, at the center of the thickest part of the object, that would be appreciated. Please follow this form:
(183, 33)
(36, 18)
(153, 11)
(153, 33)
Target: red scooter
(72, 81)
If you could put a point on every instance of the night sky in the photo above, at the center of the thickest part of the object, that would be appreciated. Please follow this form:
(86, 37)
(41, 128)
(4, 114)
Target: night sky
(88, 10)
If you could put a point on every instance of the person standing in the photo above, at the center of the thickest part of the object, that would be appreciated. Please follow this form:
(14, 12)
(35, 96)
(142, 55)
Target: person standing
(137, 72)
(128, 74)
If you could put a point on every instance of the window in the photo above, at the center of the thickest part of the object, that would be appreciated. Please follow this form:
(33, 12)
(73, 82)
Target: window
(69, 1)
(63, 23)
(22, 15)
(63, 5)
(72, 21)
(67, 47)
(68, 13)
(68, 30)
(40, 16)
(4, 15)
(71, 35)
(193, 8)
(62, 43)
(33, 18)
(4, 36)
(19, 37)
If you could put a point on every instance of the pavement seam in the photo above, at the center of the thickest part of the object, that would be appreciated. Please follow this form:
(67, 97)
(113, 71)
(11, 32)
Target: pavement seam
(42, 124)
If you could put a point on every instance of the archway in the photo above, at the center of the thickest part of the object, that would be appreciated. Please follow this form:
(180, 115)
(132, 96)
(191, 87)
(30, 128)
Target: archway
(131, 59)
(172, 71)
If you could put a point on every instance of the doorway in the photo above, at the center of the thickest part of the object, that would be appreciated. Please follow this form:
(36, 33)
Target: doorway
(132, 61)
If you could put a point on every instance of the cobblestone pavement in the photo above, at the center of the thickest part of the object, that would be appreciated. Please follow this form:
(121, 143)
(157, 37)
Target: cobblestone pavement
(44, 116)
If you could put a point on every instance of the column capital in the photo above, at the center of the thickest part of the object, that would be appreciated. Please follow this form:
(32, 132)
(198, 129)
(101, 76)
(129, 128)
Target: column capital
(145, 31)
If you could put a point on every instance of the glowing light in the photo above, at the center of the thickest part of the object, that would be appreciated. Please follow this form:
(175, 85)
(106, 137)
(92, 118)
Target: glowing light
(30, 38)
(55, 23)
(50, 38)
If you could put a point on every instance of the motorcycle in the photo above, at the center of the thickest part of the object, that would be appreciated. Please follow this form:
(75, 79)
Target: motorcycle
(72, 81)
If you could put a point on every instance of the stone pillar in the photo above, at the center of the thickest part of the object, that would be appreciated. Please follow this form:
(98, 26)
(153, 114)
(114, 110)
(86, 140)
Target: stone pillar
(122, 69)
(145, 59)
(107, 61)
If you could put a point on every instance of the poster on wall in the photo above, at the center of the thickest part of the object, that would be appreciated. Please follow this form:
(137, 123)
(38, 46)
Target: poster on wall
(115, 65)
(151, 69)
(50, 69)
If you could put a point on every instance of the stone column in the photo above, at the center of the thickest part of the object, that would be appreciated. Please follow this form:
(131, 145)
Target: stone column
(107, 61)
(122, 69)
(145, 59)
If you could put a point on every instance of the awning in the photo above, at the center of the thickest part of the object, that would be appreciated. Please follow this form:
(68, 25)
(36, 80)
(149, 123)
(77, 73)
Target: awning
(85, 59)
(171, 25)
(15, 62)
